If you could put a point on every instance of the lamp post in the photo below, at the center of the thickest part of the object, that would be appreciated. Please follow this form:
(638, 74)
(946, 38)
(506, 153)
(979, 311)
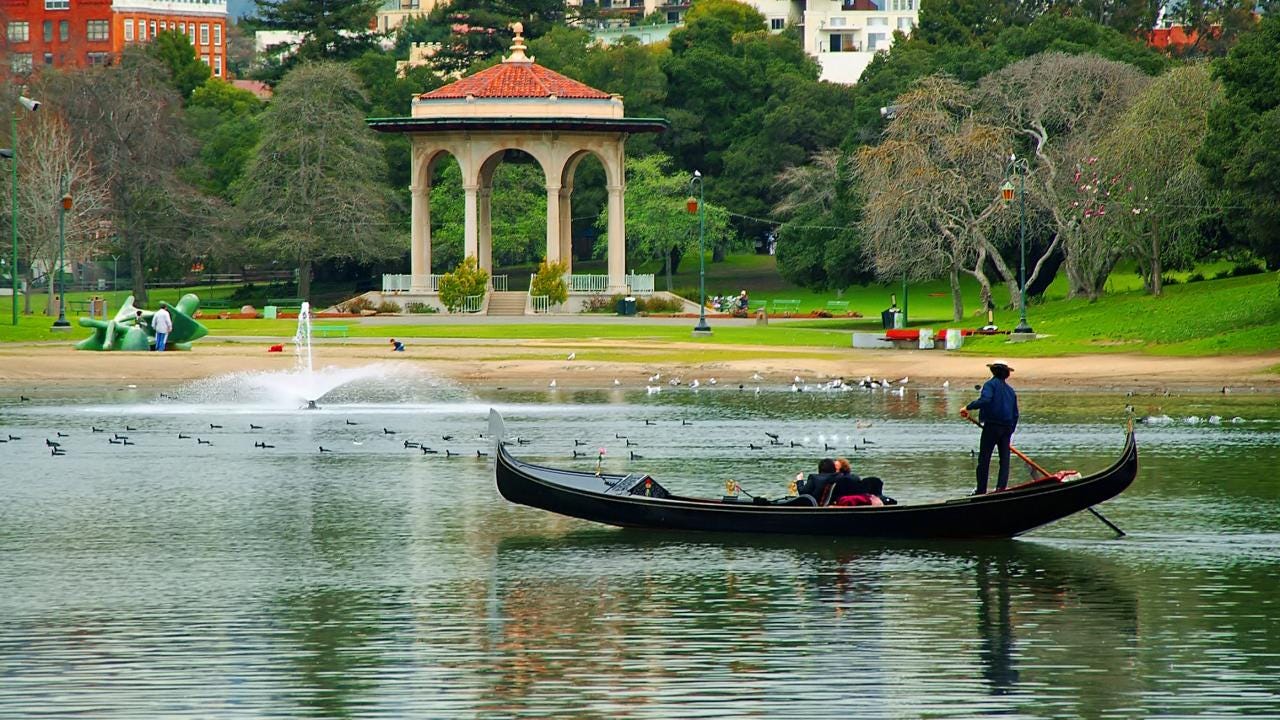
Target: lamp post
(696, 206)
(61, 322)
(32, 106)
(1018, 166)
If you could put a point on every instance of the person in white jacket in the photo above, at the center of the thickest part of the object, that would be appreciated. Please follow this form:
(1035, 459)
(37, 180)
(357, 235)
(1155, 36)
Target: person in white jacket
(163, 325)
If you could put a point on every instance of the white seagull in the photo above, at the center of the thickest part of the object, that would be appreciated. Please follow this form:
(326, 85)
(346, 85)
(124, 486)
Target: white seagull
(552, 384)
(572, 355)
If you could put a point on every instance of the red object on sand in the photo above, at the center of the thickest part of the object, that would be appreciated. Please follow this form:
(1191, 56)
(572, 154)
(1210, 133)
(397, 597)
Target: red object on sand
(276, 348)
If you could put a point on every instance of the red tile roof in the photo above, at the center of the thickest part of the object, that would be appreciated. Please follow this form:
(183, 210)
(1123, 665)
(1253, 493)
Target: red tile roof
(516, 80)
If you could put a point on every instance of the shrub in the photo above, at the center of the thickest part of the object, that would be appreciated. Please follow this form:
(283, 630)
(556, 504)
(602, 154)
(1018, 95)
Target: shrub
(356, 305)
(600, 303)
(1168, 280)
(549, 281)
(388, 307)
(656, 304)
(1196, 277)
(466, 280)
(1246, 269)
(420, 308)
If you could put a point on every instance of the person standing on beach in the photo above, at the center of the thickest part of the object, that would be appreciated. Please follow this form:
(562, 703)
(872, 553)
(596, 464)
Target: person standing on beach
(163, 325)
(998, 405)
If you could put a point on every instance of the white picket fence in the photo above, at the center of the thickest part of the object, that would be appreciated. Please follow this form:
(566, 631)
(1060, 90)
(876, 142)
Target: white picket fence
(541, 303)
(472, 303)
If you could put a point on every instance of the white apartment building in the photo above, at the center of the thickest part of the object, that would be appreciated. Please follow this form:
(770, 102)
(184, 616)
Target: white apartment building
(843, 35)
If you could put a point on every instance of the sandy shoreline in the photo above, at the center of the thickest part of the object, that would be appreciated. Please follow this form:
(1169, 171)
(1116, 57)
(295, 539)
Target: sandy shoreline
(533, 364)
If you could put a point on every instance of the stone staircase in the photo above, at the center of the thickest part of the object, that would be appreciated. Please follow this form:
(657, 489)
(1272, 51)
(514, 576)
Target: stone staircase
(507, 303)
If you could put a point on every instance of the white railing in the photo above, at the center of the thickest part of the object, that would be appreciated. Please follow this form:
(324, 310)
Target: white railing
(640, 284)
(407, 283)
(498, 283)
(472, 303)
(587, 283)
(541, 303)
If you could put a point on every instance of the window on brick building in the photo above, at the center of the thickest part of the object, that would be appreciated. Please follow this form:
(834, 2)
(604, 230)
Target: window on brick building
(128, 31)
(47, 28)
(217, 66)
(98, 58)
(217, 36)
(98, 30)
(48, 58)
(163, 26)
(153, 29)
(191, 33)
(204, 33)
(64, 30)
(57, 4)
(20, 63)
(19, 31)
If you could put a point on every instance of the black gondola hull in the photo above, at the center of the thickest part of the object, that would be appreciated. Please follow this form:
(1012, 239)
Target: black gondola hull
(996, 515)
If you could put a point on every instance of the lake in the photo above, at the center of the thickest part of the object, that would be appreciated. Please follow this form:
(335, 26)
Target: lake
(175, 578)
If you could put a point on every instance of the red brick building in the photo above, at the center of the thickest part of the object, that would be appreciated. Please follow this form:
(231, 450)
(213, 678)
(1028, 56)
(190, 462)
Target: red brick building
(76, 33)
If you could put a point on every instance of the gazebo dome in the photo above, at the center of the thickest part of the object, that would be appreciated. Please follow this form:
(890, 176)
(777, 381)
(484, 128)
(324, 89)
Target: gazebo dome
(517, 87)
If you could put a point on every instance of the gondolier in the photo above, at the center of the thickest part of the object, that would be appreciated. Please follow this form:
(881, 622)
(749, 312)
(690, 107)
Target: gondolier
(998, 408)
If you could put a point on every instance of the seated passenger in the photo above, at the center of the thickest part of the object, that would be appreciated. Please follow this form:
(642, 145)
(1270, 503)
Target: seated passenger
(860, 491)
(816, 484)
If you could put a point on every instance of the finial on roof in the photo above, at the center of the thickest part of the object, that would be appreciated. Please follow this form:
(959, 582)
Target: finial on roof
(517, 46)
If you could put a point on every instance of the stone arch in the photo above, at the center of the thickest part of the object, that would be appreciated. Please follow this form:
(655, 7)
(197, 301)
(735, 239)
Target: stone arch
(484, 196)
(422, 171)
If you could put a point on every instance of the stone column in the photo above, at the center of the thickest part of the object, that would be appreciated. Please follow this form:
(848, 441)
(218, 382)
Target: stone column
(484, 244)
(566, 227)
(617, 241)
(420, 237)
(553, 223)
(470, 224)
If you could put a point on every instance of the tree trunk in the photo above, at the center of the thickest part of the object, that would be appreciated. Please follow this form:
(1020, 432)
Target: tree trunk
(957, 300)
(984, 285)
(48, 306)
(717, 253)
(304, 280)
(667, 262)
(675, 256)
(1157, 283)
(139, 274)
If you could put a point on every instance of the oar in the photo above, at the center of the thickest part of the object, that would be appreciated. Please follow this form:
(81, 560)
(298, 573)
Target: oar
(1046, 473)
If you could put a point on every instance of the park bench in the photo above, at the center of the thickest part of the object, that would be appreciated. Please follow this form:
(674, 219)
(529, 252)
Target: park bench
(786, 308)
(756, 306)
(293, 302)
(330, 330)
(838, 306)
(215, 304)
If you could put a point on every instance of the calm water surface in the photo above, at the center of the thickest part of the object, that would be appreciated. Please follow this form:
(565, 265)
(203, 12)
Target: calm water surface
(175, 579)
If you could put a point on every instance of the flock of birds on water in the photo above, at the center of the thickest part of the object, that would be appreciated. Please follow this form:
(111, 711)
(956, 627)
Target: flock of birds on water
(57, 447)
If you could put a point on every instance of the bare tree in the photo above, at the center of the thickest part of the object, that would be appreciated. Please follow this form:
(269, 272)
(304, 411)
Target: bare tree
(129, 117)
(931, 186)
(1060, 104)
(50, 164)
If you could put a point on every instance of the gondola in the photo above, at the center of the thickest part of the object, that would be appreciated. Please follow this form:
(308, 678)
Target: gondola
(637, 500)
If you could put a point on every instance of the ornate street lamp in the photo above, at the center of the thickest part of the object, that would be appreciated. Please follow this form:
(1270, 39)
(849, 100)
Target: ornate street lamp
(695, 205)
(1018, 166)
(61, 322)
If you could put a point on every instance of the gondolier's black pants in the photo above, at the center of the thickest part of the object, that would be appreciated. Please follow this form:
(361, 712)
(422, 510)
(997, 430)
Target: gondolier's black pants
(993, 436)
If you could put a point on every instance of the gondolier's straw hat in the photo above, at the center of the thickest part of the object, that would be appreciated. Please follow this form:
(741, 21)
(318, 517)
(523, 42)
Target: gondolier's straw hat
(1000, 363)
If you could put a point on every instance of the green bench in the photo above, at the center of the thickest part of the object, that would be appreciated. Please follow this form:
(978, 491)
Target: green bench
(330, 330)
(838, 306)
(293, 302)
(215, 304)
(785, 307)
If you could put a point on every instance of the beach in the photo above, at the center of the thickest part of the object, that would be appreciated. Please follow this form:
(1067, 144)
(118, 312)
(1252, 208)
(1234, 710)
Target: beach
(597, 363)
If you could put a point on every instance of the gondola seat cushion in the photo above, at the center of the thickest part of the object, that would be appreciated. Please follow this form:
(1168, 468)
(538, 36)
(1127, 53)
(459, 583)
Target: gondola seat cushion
(857, 500)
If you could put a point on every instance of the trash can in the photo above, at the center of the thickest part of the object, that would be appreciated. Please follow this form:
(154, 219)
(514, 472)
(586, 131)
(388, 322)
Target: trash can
(627, 306)
(926, 339)
(98, 307)
(954, 339)
(269, 312)
(887, 318)
(898, 319)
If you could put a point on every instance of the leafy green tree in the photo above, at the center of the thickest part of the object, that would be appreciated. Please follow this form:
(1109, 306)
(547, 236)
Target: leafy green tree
(549, 281)
(332, 29)
(468, 279)
(175, 50)
(819, 246)
(224, 119)
(658, 223)
(479, 30)
(315, 186)
(518, 214)
(1158, 194)
(1240, 151)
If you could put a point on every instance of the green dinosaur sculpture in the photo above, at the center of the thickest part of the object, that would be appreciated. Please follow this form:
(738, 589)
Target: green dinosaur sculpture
(125, 332)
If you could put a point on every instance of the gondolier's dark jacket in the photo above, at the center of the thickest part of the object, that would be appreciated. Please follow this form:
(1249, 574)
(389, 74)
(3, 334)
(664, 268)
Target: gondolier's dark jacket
(998, 403)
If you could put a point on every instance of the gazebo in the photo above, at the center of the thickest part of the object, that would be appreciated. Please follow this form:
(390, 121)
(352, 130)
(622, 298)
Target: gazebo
(517, 105)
